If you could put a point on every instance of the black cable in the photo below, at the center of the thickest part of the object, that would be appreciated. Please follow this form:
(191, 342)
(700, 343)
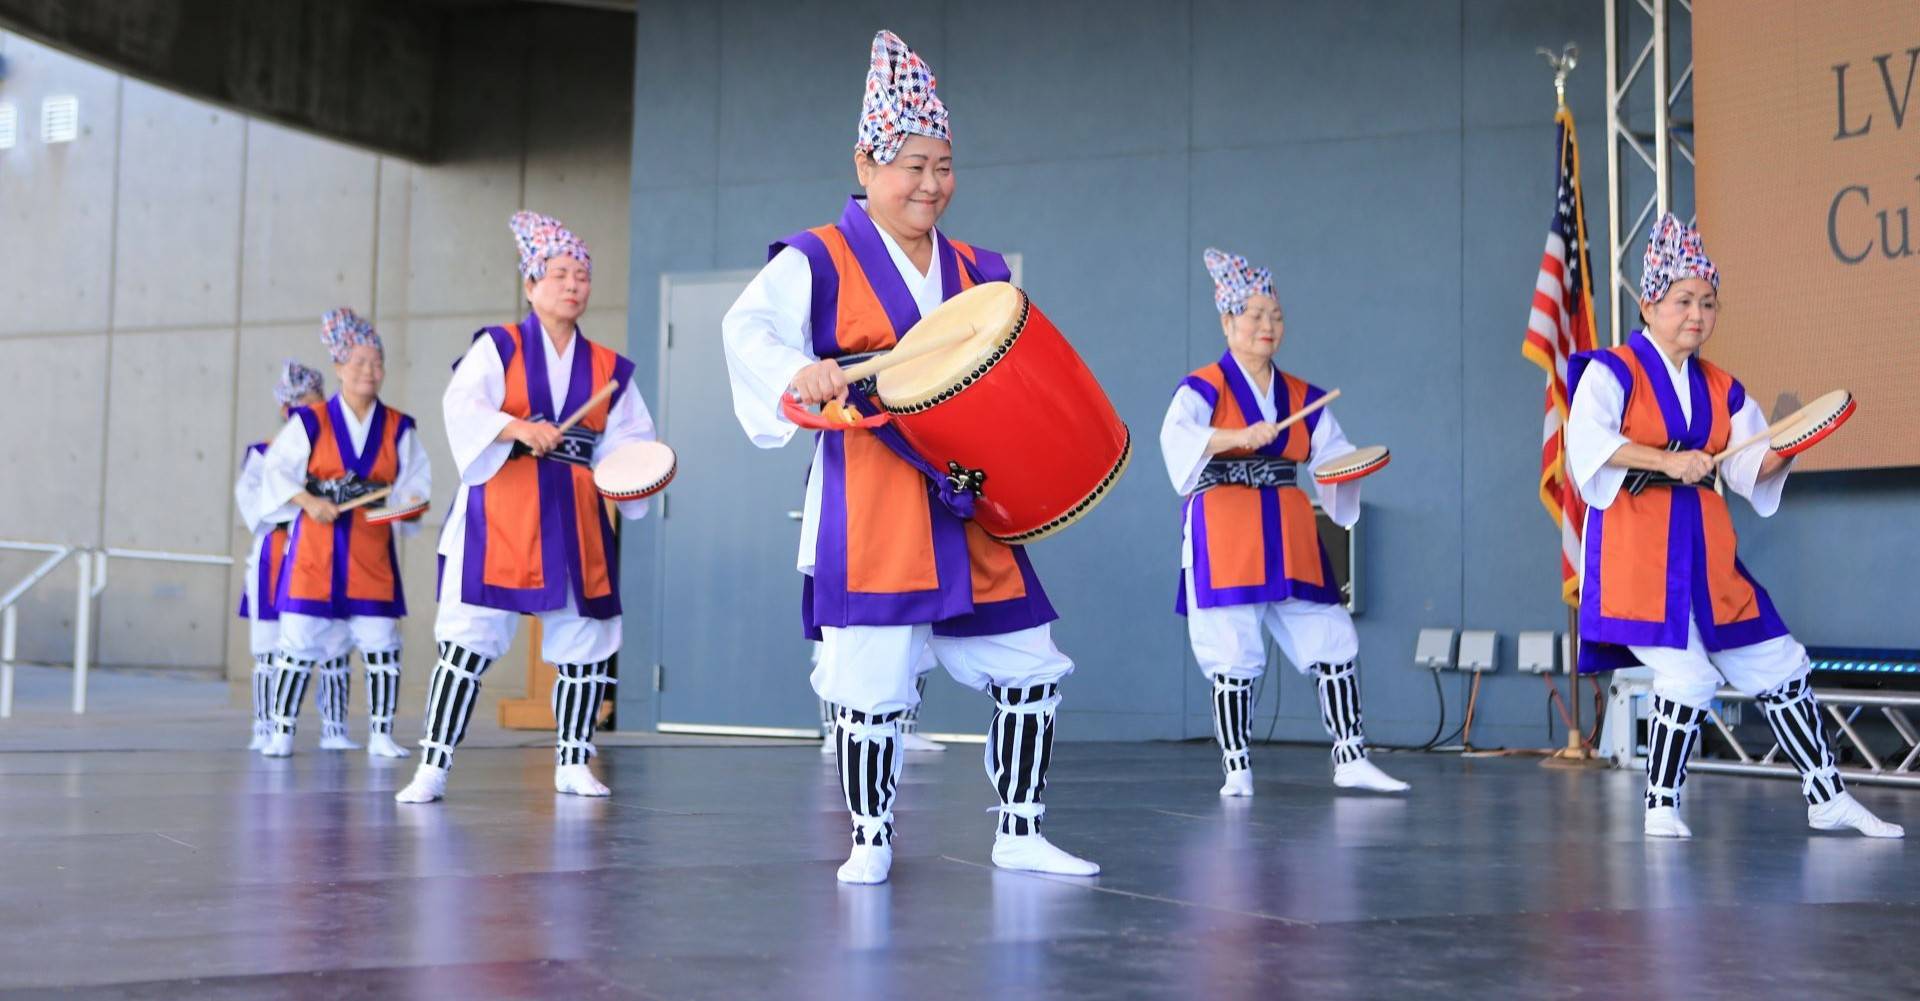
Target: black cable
(1440, 697)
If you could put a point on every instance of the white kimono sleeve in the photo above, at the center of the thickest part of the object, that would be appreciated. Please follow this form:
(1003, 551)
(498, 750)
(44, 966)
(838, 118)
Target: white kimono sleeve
(414, 480)
(1184, 435)
(1741, 471)
(627, 421)
(1341, 501)
(471, 410)
(249, 500)
(283, 470)
(1593, 435)
(768, 335)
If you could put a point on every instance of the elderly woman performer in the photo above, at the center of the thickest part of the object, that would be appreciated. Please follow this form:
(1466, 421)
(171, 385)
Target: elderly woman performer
(1250, 555)
(1661, 582)
(297, 386)
(890, 564)
(339, 585)
(528, 533)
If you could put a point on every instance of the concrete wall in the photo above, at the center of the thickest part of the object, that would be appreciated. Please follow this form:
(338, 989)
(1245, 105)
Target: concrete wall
(157, 270)
(1392, 161)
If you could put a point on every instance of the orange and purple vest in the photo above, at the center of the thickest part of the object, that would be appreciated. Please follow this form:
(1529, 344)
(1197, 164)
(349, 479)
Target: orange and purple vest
(1663, 556)
(537, 529)
(889, 551)
(347, 568)
(1252, 545)
(273, 551)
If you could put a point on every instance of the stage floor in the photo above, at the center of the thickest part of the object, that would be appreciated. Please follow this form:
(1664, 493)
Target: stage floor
(216, 874)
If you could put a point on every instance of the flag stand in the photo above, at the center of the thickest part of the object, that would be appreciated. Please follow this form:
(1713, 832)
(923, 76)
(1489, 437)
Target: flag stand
(1576, 754)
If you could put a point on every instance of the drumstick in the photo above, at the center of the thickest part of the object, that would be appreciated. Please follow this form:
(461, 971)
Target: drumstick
(1307, 410)
(1778, 426)
(592, 401)
(365, 499)
(907, 351)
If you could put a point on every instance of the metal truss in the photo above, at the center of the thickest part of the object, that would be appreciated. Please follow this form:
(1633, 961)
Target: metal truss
(1889, 764)
(1644, 76)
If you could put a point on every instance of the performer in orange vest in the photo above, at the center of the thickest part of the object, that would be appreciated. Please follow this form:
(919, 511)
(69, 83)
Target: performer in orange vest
(1661, 581)
(298, 386)
(528, 533)
(888, 560)
(339, 586)
(1250, 555)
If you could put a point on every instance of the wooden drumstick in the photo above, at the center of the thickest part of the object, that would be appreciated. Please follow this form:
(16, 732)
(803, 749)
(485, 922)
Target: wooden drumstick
(1307, 410)
(592, 401)
(364, 499)
(1778, 426)
(907, 351)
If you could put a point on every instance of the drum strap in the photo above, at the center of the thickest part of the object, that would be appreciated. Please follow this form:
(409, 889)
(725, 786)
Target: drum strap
(955, 487)
(1248, 471)
(342, 489)
(1641, 479)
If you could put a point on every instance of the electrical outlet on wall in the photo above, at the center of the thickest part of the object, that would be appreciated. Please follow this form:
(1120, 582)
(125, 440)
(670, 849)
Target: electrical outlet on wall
(1479, 650)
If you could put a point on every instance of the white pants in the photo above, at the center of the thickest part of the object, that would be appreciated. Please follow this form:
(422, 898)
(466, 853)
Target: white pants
(309, 637)
(1227, 643)
(566, 636)
(263, 636)
(1691, 676)
(872, 669)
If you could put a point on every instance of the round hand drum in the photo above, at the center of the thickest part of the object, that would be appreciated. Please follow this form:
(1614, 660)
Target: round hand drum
(1353, 465)
(635, 470)
(1812, 423)
(396, 512)
(1015, 402)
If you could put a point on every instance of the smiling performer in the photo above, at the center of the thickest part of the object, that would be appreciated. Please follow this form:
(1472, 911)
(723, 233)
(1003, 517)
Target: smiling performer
(529, 533)
(339, 586)
(298, 386)
(1662, 583)
(890, 559)
(1250, 554)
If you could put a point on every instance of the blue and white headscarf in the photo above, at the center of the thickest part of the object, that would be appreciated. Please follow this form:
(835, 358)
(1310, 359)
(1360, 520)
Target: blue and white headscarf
(1235, 281)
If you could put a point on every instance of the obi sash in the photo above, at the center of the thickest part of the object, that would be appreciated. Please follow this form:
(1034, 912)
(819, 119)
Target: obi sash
(538, 529)
(1255, 543)
(271, 551)
(893, 546)
(350, 567)
(1657, 558)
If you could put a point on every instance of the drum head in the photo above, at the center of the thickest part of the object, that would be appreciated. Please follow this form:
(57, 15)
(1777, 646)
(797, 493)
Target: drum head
(395, 512)
(635, 470)
(1353, 465)
(1813, 422)
(992, 310)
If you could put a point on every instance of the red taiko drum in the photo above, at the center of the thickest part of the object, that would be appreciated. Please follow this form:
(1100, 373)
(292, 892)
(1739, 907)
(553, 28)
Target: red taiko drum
(1014, 402)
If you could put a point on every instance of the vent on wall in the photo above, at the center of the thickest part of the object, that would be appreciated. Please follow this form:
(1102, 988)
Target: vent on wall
(9, 125)
(60, 119)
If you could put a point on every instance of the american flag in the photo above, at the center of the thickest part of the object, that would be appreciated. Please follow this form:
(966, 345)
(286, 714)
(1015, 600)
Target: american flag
(1562, 325)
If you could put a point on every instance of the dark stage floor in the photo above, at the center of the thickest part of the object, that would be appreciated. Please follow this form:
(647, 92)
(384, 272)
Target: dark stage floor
(214, 875)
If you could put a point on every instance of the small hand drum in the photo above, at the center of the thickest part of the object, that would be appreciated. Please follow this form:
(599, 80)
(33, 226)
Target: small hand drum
(397, 512)
(1813, 423)
(1353, 465)
(635, 470)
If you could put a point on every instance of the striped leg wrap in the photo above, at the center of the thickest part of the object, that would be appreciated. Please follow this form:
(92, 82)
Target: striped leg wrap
(263, 693)
(1019, 749)
(577, 693)
(1233, 721)
(1339, 687)
(335, 681)
(1794, 714)
(383, 689)
(910, 723)
(1672, 731)
(290, 676)
(869, 771)
(451, 694)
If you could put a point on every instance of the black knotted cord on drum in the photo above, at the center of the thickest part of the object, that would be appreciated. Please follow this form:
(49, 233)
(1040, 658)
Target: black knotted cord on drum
(964, 480)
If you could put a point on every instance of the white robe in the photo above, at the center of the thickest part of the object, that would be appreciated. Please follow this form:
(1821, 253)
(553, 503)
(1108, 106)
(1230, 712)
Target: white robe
(259, 519)
(471, 407)
(1226, 641)
(1689, 676)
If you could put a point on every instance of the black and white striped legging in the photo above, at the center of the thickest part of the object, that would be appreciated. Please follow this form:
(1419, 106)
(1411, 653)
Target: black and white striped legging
(1794, 714)
(1019, 749)
(290, 677)
(1672, 731)
(452, 693)
(1233, 720)
(869, 747)
(578, 691)
(336, 680)
(263, 691)
(383, 689)
(909, 720)
(1339, 687)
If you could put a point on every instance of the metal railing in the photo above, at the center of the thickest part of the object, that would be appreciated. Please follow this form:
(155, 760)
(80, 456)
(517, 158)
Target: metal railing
(91, 581)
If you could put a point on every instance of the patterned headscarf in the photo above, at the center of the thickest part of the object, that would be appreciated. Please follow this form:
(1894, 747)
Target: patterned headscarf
(296, 380)
(1674, 251)
(899, 102)
(342, 330)
(542, 238)
(1235, 281)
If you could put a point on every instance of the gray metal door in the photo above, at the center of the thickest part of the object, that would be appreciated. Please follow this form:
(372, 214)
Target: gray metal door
(732, 653)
